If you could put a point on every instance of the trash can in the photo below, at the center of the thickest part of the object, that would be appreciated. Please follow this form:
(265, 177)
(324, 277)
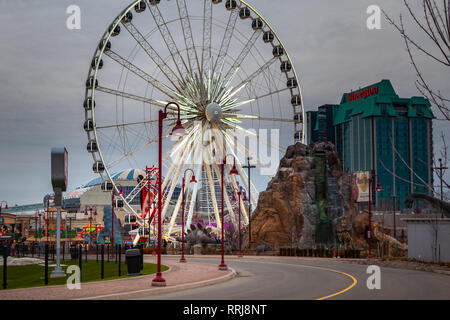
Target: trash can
(133, 260)
(73, 253)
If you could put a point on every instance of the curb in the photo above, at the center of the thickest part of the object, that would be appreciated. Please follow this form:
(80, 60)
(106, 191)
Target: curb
(162, 290)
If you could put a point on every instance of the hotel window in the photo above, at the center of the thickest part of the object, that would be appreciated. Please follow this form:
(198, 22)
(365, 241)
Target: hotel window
(383, 108)
(419, 110)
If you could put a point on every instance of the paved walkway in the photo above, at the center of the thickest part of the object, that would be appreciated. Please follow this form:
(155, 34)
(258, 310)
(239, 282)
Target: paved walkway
(180, 276)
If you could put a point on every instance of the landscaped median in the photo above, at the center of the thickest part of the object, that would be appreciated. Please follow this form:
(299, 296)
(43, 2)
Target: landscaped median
(33, 275)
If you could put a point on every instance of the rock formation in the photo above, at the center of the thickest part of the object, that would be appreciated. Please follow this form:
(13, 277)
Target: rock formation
(308, 202)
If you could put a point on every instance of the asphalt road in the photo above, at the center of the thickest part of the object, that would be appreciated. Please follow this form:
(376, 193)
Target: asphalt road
(277, 278)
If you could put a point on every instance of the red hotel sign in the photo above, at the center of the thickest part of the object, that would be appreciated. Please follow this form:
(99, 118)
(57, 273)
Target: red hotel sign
(362, 94)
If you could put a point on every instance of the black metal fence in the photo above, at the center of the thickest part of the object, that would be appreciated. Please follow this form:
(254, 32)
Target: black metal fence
(47, 252)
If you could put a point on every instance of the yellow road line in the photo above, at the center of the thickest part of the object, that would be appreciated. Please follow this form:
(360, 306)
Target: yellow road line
(321, 268)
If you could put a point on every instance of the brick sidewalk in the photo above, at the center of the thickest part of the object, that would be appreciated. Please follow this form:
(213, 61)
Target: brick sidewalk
(179, 276)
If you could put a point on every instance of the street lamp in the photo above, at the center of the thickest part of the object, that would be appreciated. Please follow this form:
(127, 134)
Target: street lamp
(222, 265)
(1, 218)
(183, 259)
(178, 130)
(378, 189)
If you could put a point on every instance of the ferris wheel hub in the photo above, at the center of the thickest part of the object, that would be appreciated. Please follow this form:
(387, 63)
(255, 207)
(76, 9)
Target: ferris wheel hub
(213, 112)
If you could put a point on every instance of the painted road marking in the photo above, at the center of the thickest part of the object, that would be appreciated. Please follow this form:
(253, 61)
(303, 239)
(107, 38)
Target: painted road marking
(320, 268)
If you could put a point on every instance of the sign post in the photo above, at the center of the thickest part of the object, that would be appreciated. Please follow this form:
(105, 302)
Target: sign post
(59, 175)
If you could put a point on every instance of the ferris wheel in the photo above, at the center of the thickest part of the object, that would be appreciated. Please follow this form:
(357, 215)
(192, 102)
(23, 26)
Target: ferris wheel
(223, 64)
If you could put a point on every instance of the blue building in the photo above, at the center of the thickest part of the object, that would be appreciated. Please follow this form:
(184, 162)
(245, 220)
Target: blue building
(375, 130)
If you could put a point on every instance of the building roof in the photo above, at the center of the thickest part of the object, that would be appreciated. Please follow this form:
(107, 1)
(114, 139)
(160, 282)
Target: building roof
(366, 102)
(126, 175)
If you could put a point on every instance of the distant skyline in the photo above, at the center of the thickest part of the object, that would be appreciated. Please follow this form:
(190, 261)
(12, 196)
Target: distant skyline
(44, 67)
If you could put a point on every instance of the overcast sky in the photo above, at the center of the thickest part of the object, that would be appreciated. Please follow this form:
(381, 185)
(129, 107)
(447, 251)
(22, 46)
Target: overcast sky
(44, 66)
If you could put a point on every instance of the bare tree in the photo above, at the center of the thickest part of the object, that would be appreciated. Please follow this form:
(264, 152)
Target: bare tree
(435, 25)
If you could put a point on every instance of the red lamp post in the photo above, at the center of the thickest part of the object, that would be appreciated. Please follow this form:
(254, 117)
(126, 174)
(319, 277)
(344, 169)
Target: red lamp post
(222, 265)
(1, 220)
(178, 130)
(183, 259)
(369, 234)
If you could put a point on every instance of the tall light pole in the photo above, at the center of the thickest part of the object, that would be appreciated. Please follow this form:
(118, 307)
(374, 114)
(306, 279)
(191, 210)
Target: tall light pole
(249, 167)
(183, 259)
(222, 265)
(441, 177)
(178, 130)
(369, 234)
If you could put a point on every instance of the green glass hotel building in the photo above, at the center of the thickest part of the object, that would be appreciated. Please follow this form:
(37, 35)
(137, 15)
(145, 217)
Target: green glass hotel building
(374, 129)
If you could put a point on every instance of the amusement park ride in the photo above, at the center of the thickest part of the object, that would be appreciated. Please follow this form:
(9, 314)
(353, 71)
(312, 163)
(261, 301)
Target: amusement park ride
(231, 75)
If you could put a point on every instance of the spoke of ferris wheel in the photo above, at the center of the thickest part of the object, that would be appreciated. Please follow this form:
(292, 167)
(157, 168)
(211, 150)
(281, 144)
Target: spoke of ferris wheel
(131, 124)
(238, 62)
(168, 40)
(133, 153)
(252, 135)
(248, 117)
(226, 40)
(213, 196)
(230, 146)
(133, 97)
(182, 144)
(175, 163)
(111, 141)
(242, 172)
(257, 98)
(194, 64)
(179, 163)
(153, 54)
(177, 207)
(250, 78)
(225, 193)
(220, 141)
(198, 157)
(142, 74)
(207, 33)
(212, 187)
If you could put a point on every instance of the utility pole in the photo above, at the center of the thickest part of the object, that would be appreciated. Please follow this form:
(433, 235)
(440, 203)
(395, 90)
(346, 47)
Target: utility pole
(441, 177)
(395, 226)
(249, 167)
